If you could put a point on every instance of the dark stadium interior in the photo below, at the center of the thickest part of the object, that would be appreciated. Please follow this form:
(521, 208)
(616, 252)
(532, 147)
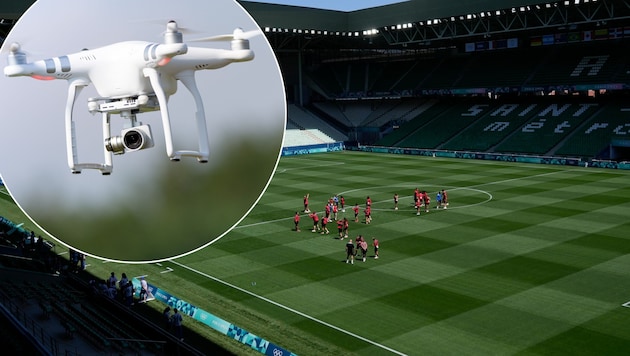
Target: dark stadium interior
(477, 78)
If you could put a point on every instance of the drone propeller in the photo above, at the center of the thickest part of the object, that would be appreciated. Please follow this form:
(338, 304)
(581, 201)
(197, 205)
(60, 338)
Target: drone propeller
(238, 34)
(16, 54)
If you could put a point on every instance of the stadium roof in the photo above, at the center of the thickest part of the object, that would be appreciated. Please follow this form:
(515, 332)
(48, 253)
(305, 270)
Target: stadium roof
(345, 5)
(286, 16)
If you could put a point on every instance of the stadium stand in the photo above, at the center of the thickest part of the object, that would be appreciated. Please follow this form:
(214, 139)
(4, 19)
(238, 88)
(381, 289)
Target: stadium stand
(547, 126)
(57, 311)
(598, 133)
(304, 119)
(298, 137)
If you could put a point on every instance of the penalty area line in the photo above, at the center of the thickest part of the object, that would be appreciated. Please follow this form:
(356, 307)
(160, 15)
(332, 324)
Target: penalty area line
(626, 304)
(289, 309)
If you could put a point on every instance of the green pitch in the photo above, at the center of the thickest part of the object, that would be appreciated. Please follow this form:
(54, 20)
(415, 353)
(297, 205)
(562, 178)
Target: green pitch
(527, 259)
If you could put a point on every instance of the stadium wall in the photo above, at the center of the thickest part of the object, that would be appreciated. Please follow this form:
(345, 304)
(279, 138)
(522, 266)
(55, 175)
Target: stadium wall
(576, 162)
(307, 149)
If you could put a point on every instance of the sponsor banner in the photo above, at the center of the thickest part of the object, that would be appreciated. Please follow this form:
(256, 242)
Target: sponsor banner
(243, 336)
(548, 40)
(319, 148)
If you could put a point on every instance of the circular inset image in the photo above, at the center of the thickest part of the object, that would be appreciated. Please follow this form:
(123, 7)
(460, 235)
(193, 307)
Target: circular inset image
(138, 131)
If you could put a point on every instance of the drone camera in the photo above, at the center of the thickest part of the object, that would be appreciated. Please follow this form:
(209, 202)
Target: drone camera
(130, 139)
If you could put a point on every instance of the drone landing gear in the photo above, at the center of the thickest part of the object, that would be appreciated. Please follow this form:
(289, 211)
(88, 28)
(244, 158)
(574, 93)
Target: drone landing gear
(71, 142)
(187, 78)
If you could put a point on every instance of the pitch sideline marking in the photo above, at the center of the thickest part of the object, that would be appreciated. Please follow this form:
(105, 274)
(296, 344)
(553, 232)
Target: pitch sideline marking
(289, 309)
(626, 304)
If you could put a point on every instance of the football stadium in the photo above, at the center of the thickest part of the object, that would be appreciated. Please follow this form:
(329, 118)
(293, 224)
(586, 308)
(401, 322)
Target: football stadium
(517, 111)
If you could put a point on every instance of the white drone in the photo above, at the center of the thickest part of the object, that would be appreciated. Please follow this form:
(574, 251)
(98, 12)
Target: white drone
(133, 77)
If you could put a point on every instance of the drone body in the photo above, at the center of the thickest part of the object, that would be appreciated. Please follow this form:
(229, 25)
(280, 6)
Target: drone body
(132, 77)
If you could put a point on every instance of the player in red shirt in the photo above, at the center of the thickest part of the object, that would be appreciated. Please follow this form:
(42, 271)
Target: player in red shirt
(444, 199)
(340, 229)
(335, 210)
(358, 241)
(368, 202)
(355, 208)
(342, 201)
(364, 248)
(375, 244)
(427, 202)
(368, 215)
(346, 226)
(315, 218)
(325, 221)
(306, 209)
(396, 201)
(296, 220)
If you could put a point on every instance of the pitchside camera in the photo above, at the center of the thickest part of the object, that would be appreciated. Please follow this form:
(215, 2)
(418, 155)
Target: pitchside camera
(131, 139)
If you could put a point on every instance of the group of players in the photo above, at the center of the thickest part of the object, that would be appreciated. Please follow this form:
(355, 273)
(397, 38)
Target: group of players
(336, 203)
(422, 200)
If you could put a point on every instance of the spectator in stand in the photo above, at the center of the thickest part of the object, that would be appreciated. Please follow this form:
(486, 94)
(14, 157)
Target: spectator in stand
(166, 315)
(144, 290)
(112, 280)
(123, 281)
(128, 293)
(177, 324)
